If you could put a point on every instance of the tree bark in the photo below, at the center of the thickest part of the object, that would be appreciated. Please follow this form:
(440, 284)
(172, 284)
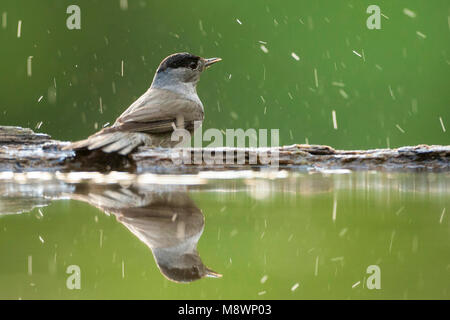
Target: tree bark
(22, 150)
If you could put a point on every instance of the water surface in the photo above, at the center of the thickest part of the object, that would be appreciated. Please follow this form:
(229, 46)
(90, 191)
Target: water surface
(270, 236)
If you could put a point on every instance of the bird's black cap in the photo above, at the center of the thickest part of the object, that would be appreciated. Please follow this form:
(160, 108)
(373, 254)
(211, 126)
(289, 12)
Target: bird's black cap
(178, 60)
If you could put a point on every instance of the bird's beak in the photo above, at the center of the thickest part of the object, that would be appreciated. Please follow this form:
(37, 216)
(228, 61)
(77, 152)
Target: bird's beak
(212, 274)
(211, 61)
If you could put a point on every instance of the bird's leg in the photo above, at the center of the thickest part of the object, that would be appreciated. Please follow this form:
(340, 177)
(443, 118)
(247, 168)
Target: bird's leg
(180, 121)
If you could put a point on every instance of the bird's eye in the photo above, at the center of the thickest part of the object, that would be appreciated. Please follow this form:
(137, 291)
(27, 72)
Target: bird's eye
(193, 65)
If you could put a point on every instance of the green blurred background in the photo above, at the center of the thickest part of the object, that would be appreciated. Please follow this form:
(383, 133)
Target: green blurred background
(399, 79)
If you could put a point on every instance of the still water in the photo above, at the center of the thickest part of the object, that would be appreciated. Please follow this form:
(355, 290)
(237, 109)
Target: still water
(255, 236)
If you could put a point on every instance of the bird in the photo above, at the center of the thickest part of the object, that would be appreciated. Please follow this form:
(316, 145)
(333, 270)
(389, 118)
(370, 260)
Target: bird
(169, 104)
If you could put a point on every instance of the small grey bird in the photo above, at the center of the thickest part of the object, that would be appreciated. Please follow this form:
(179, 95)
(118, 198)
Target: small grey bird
(170, 103)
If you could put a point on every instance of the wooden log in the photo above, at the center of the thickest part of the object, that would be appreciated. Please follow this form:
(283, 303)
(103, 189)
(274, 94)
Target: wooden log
(22, 150)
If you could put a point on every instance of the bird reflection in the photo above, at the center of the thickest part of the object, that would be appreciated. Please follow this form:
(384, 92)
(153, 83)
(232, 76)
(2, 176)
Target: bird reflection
(165, 219)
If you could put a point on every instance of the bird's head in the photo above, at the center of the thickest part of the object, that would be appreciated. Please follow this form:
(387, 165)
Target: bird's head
(184, 268)
(183, 67)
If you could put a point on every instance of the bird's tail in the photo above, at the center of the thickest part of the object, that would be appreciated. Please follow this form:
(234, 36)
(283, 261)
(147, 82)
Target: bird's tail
(118, 141)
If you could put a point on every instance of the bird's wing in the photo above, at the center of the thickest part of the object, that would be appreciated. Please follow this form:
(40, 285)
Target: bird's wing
(157, 111)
